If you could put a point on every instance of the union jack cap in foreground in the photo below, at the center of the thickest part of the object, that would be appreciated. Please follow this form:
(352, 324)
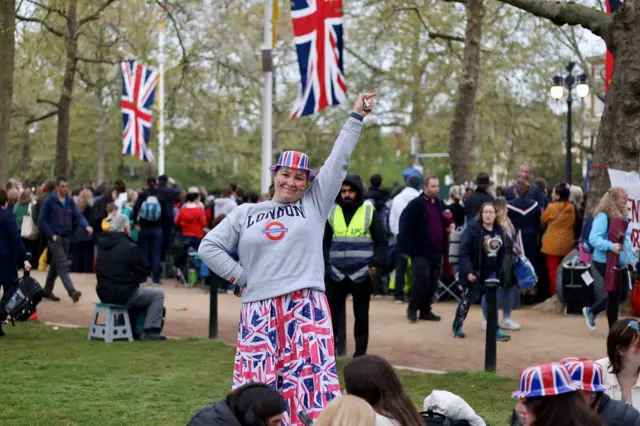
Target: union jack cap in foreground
(294, 160)
(587, 373)
(545, 380)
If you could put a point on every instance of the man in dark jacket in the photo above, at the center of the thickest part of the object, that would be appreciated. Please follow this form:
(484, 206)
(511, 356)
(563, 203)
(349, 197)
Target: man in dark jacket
(478, 197)
(120, 269)
(168, 193)
(355, 247)
(56, 219)
(423, 237)
(535, 193)
(13, 255)
(150, 229)
(375, 193)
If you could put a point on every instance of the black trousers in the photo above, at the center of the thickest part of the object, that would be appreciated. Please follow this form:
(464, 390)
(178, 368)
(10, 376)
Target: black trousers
(611, 302)
(401, 268)
(337, 295)
(426, 273)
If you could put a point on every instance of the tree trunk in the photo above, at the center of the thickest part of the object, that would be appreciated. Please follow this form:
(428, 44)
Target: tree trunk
(64, 110)
(25, 163)
(618, 142)
(7, 50)
(459, 146)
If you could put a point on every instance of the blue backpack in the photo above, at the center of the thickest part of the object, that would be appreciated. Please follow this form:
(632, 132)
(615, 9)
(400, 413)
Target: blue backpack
(586, 231)
(150, 209)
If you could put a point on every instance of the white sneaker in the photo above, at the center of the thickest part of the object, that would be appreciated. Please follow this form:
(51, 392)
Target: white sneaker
(484, 324)
(509, 324)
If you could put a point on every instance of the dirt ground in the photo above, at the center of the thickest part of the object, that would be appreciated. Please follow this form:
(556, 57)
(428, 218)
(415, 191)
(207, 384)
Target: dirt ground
(544, 336)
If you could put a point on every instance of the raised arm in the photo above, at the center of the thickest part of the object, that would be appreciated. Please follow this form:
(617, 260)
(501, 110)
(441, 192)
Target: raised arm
(327, 184)
(218, 243)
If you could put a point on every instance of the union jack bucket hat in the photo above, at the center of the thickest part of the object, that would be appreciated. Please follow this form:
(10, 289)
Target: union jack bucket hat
(587, 373)
(294, 160)
(546, 379)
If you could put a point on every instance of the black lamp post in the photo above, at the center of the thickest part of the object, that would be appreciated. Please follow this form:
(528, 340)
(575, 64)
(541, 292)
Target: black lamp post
(557, 92)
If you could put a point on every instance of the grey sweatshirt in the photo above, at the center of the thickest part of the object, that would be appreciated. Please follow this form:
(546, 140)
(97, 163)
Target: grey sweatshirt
(280, 245)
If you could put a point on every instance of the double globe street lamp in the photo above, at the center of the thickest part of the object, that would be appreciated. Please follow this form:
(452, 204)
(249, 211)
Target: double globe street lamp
(568, 83)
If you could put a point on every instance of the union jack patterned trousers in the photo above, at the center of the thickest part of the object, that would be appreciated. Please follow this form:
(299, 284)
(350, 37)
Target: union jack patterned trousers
(287, 343)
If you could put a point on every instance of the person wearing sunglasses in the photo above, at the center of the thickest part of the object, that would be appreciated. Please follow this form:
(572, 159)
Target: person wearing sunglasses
(621, 367)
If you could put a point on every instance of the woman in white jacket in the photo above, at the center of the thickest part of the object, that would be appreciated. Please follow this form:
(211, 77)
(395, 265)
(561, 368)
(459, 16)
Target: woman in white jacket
(622, 365)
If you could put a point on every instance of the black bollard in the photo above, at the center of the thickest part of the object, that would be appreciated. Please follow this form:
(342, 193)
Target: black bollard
(491, 286)
(213, 305)
(341, 333)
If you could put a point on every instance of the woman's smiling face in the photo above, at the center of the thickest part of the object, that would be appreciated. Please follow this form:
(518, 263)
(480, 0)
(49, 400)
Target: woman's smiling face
(290, 184)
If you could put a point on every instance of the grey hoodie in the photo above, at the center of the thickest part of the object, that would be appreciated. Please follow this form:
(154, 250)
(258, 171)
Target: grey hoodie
(280, 245)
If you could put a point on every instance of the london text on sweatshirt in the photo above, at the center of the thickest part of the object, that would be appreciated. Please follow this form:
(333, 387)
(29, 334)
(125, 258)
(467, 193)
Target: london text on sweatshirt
(280, 245)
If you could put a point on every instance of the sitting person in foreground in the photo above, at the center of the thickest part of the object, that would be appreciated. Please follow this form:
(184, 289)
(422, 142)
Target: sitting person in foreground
(254, 404)
(120, 269)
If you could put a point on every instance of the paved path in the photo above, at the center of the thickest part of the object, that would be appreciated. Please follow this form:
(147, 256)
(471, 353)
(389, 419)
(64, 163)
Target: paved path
(544, 337)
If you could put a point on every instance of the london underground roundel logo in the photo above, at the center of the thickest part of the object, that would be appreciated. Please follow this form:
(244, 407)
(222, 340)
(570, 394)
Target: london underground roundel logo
(275, 231)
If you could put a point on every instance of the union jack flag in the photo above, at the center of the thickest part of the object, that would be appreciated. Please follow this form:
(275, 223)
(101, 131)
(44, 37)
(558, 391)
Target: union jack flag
(287, 343)
(138, 92)
(545, 380)
(586, 372)
(317, 32)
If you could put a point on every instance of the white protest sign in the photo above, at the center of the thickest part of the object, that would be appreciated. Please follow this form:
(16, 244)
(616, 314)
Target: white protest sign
(630, 181)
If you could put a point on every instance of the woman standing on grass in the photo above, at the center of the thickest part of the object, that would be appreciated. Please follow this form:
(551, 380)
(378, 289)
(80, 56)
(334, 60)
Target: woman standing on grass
(481, 258)
(284, 335)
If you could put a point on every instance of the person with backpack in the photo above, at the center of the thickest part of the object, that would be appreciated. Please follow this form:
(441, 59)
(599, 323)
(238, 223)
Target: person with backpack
(147, 217)
(610, 237)
(12, 253)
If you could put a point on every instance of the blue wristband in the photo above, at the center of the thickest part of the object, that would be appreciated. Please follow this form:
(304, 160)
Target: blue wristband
(357, 116)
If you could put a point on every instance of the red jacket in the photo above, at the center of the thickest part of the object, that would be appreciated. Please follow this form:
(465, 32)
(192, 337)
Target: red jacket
(191, 220)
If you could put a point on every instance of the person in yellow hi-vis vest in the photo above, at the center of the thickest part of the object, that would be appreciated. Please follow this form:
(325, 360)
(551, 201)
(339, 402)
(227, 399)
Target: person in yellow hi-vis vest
(355, 245)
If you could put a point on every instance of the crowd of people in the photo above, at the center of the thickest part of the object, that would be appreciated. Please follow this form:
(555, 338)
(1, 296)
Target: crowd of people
(295, 254)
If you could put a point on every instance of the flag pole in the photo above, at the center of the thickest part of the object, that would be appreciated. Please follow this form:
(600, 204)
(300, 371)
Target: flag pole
(267, 91)
(161, 94)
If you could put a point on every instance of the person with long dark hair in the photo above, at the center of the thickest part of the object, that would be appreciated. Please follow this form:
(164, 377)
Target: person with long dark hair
(482, 255)
(622, 365)
(372, 378)
(548, 397)
(254, 404)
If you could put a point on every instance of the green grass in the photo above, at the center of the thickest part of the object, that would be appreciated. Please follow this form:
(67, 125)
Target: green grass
(58, 377)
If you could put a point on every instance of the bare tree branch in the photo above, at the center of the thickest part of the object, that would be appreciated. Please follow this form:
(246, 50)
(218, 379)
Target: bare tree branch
(99, 61)
(42, 117)
(95, 15)
(561, 13)
(432, 34)
(49, 8)
(41, 22)
(46, 101)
